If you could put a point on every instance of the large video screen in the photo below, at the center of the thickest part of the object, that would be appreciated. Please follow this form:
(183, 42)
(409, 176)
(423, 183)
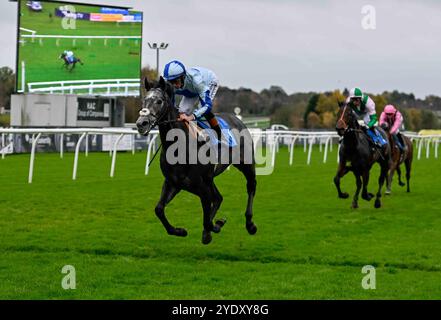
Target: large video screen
(78, 49)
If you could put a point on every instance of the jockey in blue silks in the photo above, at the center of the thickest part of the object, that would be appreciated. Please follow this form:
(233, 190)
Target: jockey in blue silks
(198, 86)
(69, 56)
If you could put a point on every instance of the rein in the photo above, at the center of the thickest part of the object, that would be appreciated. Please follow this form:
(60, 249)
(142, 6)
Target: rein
(154, 156)
(342, 117)
(346, 126)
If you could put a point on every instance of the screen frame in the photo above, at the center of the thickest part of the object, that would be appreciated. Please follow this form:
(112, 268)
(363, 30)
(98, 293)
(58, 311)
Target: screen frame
(78, 3)
(17, 47)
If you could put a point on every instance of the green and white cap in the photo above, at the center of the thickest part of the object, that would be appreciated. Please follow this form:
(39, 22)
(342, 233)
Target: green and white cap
(355, 93)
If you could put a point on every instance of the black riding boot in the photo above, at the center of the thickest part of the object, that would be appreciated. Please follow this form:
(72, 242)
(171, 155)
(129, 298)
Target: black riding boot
(403, 145)
(218, 131)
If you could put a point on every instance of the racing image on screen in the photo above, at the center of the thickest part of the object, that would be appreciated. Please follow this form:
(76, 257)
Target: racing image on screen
(78, 49)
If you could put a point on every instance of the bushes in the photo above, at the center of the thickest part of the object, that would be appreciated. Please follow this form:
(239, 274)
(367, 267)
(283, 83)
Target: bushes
(5, 120)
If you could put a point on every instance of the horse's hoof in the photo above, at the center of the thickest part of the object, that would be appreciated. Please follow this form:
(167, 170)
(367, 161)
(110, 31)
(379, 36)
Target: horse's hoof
(354, 205)
(344, 195)
(206, 237)
(388, 192)
(180, 232)
(252, 229)
(219, 224)
(402, 184)
(377, 203)
(367, 197)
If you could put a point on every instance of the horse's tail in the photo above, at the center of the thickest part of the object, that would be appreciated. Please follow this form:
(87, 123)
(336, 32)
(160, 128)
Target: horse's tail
(408, 143)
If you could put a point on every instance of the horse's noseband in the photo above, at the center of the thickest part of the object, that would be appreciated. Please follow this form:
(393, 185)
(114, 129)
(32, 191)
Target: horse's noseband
(144, 112)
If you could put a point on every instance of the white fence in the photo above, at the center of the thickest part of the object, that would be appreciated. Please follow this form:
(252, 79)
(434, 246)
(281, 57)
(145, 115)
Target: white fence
(123, 87)
(33, 36)
(272, 139)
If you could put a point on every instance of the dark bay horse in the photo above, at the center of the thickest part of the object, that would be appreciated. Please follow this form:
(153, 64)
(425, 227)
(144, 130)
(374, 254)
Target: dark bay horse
(398, 157)
(357, 149)
(71, 64)
(195, 177)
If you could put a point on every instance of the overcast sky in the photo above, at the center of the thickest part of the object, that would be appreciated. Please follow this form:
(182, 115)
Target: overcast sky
(299, 45)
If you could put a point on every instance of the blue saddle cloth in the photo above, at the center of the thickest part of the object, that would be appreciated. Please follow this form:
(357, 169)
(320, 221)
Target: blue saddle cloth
(226, 132)
(376, 136)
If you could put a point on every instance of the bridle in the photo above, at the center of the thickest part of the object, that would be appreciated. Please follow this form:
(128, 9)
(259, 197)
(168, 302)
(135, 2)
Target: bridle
(342, 118)
(346, 127)
(157, 118)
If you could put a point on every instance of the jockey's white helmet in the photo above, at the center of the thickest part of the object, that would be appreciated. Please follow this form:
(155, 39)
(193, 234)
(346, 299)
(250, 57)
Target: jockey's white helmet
(355, 93)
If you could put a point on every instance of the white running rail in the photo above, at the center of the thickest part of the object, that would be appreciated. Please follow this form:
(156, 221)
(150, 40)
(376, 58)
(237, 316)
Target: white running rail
(56, 36)
(125, 87)
(272, 140)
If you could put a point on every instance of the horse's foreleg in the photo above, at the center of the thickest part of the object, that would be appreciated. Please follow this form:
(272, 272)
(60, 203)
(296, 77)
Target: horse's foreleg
(357, 192)
(168, 193)
(381, 179)
(341, 172)
(365, 194)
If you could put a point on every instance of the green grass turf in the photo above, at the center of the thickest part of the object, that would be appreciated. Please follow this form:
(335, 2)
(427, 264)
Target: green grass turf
(113, 60)
(309, 244)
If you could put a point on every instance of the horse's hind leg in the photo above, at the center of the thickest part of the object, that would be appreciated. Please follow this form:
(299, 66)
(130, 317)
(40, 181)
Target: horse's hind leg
(390, 176)
(249, 172)
(168, 193)
(408, 164)
(400, 182)
(357, 192)
(207, 206)
(216, 204)
(217, 200)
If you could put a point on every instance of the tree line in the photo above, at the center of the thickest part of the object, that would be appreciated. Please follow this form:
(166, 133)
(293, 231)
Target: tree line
(321, 110)
(310, 110)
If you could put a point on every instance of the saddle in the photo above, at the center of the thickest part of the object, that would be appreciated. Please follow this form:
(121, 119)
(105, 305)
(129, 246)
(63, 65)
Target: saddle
(203, 129)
